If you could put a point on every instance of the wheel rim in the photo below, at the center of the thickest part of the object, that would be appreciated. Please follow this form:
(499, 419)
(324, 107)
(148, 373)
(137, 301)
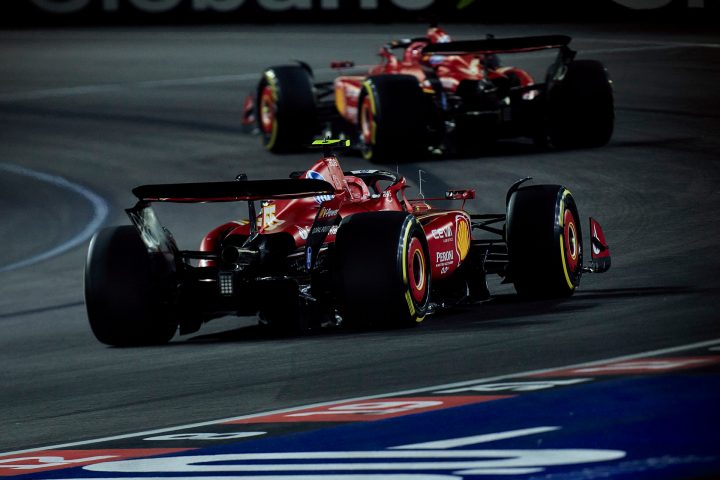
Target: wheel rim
(367, 121)
(268, 109)
(572, 242)
(417, 273)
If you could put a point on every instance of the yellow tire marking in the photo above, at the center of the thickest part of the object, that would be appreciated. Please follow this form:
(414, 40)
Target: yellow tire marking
(408, 296)
(406, 234)
(273, 88)
(373, 109)
(561, 220)
(410, 305)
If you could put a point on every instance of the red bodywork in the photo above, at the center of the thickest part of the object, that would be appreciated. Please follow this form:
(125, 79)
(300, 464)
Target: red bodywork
(448, 231)
(449, 69)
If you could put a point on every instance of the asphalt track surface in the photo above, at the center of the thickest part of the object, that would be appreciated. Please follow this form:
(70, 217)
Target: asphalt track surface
(88, 114)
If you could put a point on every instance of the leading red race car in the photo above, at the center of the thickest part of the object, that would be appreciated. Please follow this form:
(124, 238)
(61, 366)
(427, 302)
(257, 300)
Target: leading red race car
(328, 246)
(438, 95)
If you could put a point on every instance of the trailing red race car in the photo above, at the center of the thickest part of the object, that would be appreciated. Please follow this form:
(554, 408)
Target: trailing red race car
(438, 95)
(328, 246)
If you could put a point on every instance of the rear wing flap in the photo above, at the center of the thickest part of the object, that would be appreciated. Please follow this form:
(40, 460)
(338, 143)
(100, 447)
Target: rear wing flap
(499, 45)
(159, 240)
(233, 191)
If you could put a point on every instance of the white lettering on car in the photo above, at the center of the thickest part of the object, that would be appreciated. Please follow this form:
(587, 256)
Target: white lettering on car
(444, 257)
(440, 233)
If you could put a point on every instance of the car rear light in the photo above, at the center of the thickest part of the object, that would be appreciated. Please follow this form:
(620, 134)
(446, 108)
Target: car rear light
(225, 282)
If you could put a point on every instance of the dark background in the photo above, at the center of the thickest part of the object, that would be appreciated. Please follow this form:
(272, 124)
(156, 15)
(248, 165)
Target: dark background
(28, 13)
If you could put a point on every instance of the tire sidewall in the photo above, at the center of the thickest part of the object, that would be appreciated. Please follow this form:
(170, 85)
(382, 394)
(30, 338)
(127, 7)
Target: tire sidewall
(541, 265)
(400, 117)
(372, 269)
(294, 119)
(581, 110)
(127, 295)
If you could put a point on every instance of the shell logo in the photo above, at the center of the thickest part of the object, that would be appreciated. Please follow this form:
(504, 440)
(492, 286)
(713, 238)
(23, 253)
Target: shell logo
(463, 238)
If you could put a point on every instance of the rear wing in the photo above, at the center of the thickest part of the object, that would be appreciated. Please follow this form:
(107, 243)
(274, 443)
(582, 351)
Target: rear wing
(498, 45)
(233, 191)
(158, 239)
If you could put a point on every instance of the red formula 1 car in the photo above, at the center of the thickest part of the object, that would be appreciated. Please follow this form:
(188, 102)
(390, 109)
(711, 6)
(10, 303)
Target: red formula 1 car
(328, 246)
(437, 95)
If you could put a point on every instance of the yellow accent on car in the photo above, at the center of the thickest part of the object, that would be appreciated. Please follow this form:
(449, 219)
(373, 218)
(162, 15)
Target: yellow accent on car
(463, 237)
(332, 141)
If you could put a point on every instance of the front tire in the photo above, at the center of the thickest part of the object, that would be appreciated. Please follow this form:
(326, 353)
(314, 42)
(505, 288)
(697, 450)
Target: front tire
(382, 269)
(286, 108)
(544, 241)
(127, 300)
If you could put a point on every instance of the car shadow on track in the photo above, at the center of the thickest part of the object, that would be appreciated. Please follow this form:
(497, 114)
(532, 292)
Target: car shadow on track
(504, 311)
(40, 310)
(609, 293)
(512, 305)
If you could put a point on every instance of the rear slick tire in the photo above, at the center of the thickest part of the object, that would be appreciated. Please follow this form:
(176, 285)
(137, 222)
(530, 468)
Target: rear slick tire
(544, 242)
(126, 299)
(286, 113)
(382, 269)
(392, 119)
(582, 111)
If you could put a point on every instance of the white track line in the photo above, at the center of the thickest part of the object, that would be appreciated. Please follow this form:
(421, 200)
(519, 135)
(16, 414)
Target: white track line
(651, 353)
(99, 205)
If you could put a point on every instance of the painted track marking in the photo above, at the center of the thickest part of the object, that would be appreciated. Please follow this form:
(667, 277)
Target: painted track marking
(99, 206)
(708, 343)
